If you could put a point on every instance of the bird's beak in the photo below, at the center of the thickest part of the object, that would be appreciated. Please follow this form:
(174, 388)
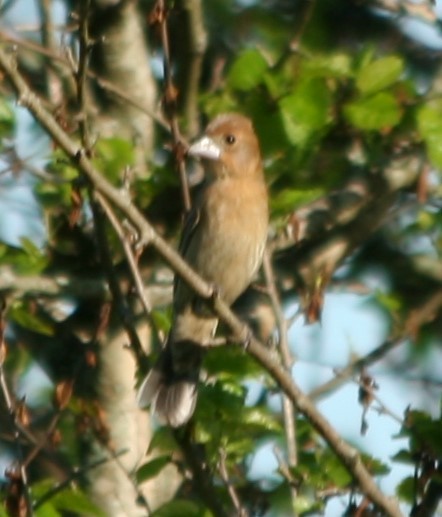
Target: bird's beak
(205, 148)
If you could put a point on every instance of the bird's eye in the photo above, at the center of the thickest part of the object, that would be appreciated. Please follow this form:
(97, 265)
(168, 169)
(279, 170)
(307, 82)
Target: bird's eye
(230, 139)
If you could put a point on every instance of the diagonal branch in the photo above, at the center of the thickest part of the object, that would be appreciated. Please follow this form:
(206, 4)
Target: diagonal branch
(346, 453)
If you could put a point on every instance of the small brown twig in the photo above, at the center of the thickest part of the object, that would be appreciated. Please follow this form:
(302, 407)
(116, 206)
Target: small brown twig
(76, 474)
(22, 470)
(159, 15)
(308, 9)
(106, 85)
(131, 260)
(124, 310)
(222, 468)
(287, 361)
(81, 74)
(203, 483)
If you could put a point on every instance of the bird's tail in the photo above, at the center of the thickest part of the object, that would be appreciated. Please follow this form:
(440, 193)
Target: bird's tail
(171, 385)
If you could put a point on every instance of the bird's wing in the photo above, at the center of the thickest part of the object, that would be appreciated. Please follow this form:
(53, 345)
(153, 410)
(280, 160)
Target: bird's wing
(189, 228)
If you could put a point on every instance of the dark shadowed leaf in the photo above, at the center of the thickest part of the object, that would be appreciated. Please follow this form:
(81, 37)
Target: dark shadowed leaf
(182, 508)
(152, 468)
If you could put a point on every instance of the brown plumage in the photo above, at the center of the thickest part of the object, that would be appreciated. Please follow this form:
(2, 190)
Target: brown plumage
(223, 240)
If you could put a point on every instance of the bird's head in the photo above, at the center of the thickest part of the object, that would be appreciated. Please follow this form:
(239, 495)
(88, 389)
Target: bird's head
(230, 147)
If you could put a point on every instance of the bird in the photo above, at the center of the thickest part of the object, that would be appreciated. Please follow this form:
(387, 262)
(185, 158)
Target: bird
(223, 240)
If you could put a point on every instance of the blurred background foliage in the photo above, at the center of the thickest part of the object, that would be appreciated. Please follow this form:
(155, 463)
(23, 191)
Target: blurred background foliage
(346, 102)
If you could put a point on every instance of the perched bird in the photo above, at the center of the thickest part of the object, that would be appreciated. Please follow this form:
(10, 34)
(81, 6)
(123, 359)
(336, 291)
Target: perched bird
(223, 240)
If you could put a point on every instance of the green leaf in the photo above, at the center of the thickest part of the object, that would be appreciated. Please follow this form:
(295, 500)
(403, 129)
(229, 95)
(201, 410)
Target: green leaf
(47, 510)
(152, 468)
(260, 417)
(305, 505)
(182, 508)
(335, 65)
(21, 314)
(381, 111)
(163, 441)
(68, 499)
(7, 121)
(378, 75)
(113, 156)
(375, 466)
(306, 112)
(73, 500)
(406, 490)
(247, 71)
(61, 166)
(161, 319)
(231, 361)
(429, 122)
(289, 199)
(404, 456)
(26, 259)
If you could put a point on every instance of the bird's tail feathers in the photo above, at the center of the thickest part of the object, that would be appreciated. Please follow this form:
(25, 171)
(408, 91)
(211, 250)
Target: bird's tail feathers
(172, 396)
(173, 402)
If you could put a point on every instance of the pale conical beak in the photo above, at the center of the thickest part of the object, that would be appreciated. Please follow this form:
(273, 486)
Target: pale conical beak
(205, 148)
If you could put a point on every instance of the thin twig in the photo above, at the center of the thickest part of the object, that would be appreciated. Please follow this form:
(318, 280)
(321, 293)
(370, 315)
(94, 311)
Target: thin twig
(283, 468)
(170, 97)
(131, 260)
(115, 455)
(13, 417)
(287, 361)
(222, 467)
(203, 482)
(124, 310)
(354, 367)
(76, 474)
(417, 317)
(81, 74)
(308, 9)
(103, 83)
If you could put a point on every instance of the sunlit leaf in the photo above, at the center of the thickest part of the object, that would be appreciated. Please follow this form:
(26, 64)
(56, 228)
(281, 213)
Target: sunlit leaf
(21, 314)
(161, 319)
(260, 417)
(305, 112)
(335, 65)
(47, 510)
(381, 111)
(288, 200)
(247, 70)
(24, 259)
(113, 156)
(73, 500)
(379, 74)
(429, 119)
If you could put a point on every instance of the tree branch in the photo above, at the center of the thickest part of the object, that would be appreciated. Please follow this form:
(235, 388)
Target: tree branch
(347, 454)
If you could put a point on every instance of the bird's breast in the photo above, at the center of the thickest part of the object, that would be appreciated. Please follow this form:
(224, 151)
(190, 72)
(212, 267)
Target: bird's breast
(232, 235)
